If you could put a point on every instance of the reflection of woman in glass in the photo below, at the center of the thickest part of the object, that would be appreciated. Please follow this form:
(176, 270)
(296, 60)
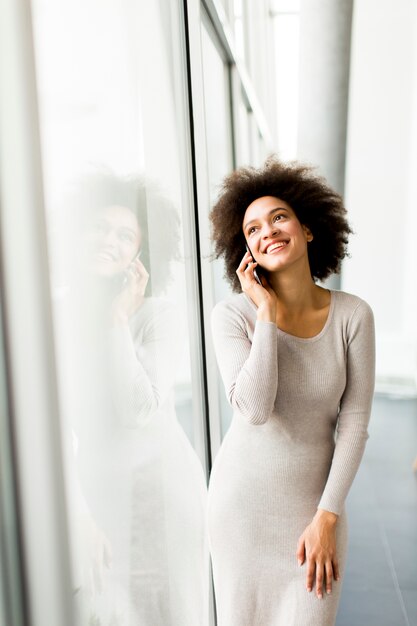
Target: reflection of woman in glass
(297, 361)
(140, 476)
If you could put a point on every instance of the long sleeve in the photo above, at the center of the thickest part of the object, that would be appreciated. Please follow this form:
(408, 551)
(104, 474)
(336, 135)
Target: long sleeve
(143, 369)
(355, 408)
(249, 369)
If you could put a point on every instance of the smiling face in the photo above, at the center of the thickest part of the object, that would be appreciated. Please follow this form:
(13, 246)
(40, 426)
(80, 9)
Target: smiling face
(274, 234)
(113, 240)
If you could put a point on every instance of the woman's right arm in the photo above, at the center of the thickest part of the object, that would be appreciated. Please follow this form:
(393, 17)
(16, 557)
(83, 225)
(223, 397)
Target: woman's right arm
(140, 386)
(249, 369)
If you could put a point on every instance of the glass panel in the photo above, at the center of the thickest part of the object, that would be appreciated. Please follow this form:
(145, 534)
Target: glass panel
(219, 153)
(244, 156)
(239, 28)
(257, 143)
(113, 112)
(286, 43)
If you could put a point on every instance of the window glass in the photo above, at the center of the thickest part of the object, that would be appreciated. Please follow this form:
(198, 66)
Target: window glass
(286, 47)
(239, 28)
(243, 117)
(218, 118)
(114, 133)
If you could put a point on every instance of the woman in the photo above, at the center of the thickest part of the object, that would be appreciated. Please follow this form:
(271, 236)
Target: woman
(297, 361)
(141, 480)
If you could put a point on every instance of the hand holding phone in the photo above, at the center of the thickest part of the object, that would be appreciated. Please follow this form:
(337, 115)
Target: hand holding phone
(259, 291)
(255, 273)
(132, 295)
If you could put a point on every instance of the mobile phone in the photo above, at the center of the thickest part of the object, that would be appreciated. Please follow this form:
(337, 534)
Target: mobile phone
(126, 271)
(258, 280)
(135, 258)
(137, 255)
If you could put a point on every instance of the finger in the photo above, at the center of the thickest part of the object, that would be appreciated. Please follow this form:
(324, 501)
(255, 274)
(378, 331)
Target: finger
(250, 268)
(244, 262)
(250, 276)
(132, 274)
(336, 571)
(246, 276)
(132, 271)
(319, 580)
(137, 279)
(311, 568)
(300, 550)
(329, 576)
(141, 268)
(246, 258)
(138, 262)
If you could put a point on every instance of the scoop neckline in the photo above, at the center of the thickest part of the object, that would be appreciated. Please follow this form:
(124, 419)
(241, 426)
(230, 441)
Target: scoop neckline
(306, 339)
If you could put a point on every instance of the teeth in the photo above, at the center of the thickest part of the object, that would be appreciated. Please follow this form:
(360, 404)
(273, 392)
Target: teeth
(105, 256)
(274, 246)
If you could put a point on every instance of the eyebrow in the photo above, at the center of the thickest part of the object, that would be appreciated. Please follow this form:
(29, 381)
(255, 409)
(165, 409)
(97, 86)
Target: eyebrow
(127, 229)
(270, 213)
(103, 220)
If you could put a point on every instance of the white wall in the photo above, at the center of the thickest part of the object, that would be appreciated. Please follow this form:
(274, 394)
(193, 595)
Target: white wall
(381, 190)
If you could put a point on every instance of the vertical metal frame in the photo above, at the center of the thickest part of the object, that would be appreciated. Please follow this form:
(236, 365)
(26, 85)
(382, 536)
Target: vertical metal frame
(179, 18)
(12, 598)
(202, 200)
(28, 329)
(201, 188)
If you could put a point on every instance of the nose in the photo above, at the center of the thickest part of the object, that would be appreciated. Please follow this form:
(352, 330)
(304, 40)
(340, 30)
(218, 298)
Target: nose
(269, 230)
(109, 238)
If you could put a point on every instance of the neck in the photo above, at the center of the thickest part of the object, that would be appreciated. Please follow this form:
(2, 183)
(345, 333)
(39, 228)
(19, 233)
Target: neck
(295, 288)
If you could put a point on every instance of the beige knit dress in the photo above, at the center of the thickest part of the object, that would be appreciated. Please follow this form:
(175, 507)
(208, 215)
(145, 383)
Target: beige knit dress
(301, 411)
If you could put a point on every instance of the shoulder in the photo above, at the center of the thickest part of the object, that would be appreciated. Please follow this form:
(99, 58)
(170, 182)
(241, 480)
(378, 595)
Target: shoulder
(351, 304)
(236, 310)
(155, 305)
(354, 312)
(235, 306)
(155, 312)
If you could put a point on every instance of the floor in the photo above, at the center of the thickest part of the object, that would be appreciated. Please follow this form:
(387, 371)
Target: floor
(380, 586)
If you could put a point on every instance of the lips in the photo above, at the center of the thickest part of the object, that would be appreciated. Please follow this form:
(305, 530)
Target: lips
(104, 255)
(275, 246)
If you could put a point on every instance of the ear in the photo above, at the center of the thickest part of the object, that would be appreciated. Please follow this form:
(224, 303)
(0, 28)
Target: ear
(308, 233)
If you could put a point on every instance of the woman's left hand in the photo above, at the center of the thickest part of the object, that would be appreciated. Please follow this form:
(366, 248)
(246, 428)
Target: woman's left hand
(131, 298)
(317, 547)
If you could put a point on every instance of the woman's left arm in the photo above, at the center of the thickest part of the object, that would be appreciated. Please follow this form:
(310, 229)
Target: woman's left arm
(355, 409)
(317, 544)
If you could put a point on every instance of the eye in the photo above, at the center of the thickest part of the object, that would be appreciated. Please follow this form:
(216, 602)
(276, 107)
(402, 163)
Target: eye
(126, 237)
(277, 217)
(251, 230)
(99, 227)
